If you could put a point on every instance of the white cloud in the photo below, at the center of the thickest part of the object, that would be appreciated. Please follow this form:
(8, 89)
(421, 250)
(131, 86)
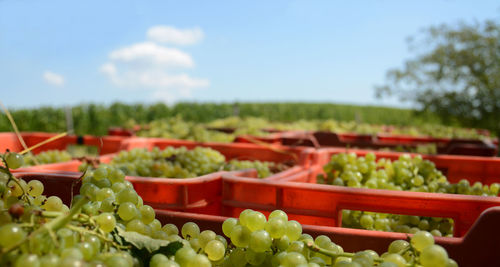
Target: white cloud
(151, 78)
(170, 35)
(152, 54)
(108, 68)
(53, 78)
(154, 67)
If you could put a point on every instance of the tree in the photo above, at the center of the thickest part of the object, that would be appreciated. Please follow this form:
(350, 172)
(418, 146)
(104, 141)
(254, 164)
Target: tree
(456, 76)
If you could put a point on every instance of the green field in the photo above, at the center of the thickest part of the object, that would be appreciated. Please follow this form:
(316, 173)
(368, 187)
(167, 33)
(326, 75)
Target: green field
(96, 119)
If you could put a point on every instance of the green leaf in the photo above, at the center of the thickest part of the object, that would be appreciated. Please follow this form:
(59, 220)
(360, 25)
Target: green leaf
(141, 241)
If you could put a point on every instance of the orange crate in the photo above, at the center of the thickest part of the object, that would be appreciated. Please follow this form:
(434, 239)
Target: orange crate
(322, 205)
(202, 193)
(444, 146)
(478, 247)
(105, 144)
(483, 169)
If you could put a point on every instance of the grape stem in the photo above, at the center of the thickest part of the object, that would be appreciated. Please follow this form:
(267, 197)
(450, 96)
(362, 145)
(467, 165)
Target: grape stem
(13, 178)
(312, 246)
(53, 225)
(101, 236)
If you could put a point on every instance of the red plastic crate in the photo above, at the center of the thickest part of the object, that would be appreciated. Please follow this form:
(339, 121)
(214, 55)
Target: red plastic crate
(105, 144)
(200, 193)
(478, 247)
(444, 146)
(318, 204)
(483, 169)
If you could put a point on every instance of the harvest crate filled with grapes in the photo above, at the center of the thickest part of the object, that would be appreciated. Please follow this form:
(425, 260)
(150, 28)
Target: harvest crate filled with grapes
(249, 134)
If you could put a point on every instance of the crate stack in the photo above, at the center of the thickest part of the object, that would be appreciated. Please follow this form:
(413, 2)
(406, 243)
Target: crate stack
(209, 199)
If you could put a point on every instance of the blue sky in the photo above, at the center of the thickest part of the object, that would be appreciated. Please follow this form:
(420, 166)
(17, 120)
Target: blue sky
(68, 52)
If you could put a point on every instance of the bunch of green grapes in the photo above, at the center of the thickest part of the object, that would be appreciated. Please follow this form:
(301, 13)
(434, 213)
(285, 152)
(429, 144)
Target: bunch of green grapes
(46, 157)
(406, 173)
(263, 168)
(181, 163)
(36, 230)
(176, 128)
(277, 241)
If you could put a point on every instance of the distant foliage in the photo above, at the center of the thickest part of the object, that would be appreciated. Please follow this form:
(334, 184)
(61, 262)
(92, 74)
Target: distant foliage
(96, 119)
(455, 74)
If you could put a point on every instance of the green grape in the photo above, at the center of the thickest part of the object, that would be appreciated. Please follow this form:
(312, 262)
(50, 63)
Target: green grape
(205, 237)
(366, 221)
(72, 253)
(35, 188)
(215, 250)
(155, 225)
(136, 226)
(49, 260)
(221, 239)
(451, 263)
(100, 173)
(87, 250)
(436, 232)
(104, 193)
(127, 195)
(67, 237)
(293, 230)
(237, 257)
(322, 240)
(422, 239)
(228, 225)
(106, 222)
(184, 255)
(117, 187)
(10, 234)
(170, 229)
(117, 261)
(260, 241)
(397, 246)
(147, 213)
(71, 262)
(195, 244)
(107, 205)
(159, 235)
(240, 236)
(276, 227)
(255, 258)
(278, 214)
(199, 261)
(94, 241)
(293, 259)
(282, 243)
(397, 259)
(14, 160)
(127, 211)
(31, 260)
(255, 221)
(434, 255)
(17, 189)
(103, 183)
(190, 230)
(158, 260)
(89, 190)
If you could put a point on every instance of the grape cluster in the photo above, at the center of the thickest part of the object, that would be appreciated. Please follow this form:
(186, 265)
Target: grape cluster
(36, 230)
(46, 157)
(277, 241)
(181, 163)
(406, 173)
(176, 128)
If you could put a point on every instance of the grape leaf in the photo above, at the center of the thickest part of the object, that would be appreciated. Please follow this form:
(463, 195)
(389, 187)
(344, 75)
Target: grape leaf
(150, 245)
